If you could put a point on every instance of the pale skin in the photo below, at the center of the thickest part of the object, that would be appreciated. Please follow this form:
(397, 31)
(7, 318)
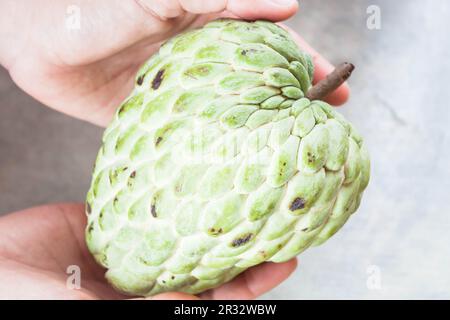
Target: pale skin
(86, 74)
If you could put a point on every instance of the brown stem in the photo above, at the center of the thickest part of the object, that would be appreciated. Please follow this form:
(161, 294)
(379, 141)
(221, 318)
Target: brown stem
(324, 87)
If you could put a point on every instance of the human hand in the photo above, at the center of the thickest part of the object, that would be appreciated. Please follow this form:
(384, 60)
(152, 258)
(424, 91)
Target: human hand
(38, 244)
(87, 73)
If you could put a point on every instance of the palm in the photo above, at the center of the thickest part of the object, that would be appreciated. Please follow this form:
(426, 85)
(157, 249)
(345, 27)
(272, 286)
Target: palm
(39, 244)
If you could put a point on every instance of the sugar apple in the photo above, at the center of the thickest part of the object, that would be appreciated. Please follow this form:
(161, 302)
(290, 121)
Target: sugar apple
(218, 162)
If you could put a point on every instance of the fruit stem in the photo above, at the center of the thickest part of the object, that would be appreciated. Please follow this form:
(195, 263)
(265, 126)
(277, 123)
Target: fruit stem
(324, 87)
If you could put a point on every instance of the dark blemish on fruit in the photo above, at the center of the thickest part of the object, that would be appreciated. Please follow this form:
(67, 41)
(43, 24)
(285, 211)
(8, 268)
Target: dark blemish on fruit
(203, 70)
(144, 261)
(242, 240)
(140, 80)
(172, 277)
(156, 83)
(88, 208)
(246, 51)
(130, 180)
(121, 110)
(298, 203)
(90, 228)
(164, 281)
(304, 229)
(280, 246)
(311, 157)
(215, 232)
(153, 210)
(158, 141)
(112, 176)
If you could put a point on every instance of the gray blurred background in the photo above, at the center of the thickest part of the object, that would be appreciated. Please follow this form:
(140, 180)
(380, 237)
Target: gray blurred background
(396, 246)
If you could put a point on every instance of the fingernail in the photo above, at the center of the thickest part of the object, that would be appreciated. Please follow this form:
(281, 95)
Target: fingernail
(284, 2)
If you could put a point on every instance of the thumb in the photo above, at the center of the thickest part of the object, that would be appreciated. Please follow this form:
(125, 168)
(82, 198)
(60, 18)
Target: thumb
(247, 9)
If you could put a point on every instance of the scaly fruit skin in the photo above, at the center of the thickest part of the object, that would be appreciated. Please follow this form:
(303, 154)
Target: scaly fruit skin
(216, 163)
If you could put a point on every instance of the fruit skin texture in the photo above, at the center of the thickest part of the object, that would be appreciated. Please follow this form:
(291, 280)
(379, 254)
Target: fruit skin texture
(216, 163)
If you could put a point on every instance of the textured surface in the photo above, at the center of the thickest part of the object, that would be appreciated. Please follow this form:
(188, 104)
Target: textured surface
(216, 163)
(404, 122)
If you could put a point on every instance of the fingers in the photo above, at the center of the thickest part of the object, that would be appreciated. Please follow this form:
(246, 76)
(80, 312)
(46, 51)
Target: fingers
(253, 282)
(248, 9)
(322, 68)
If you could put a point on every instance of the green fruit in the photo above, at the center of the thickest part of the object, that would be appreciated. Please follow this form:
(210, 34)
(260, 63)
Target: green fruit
(216, 163)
